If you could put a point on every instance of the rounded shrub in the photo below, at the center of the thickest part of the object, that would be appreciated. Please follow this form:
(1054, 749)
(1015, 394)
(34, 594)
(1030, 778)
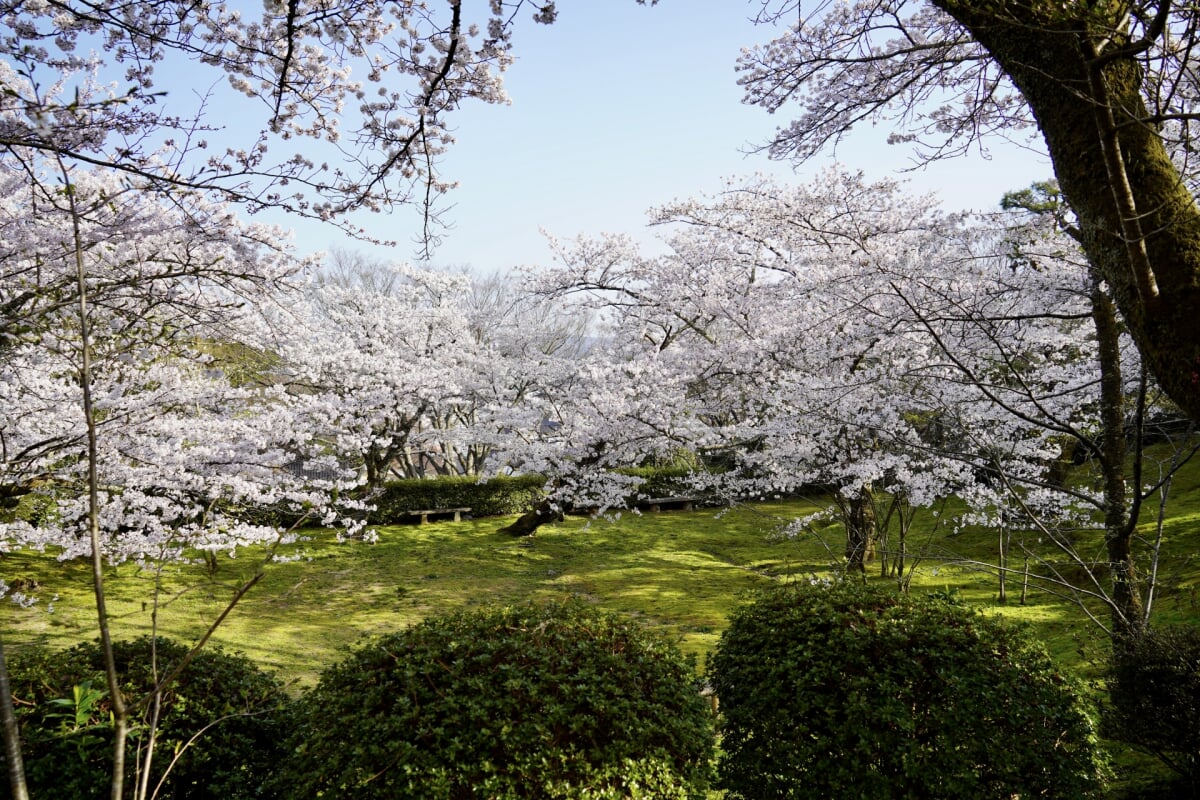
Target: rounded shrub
(220, 716)
(845, 690)
(552, 701)
(1154, 695)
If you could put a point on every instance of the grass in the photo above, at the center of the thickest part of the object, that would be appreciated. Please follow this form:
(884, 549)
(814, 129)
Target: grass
(680, 572)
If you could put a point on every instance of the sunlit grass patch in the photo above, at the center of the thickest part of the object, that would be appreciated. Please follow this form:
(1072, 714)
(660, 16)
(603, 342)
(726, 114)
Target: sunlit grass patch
(681, 572)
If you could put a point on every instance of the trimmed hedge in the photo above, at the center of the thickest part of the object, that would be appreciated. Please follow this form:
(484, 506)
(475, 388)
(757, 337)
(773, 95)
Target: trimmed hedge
(501, 496)
(493, 498)
(528, 703)
(853, 691)
(661, 481)
(64, 716)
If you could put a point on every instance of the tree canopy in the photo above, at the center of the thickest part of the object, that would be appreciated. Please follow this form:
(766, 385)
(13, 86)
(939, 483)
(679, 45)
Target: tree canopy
(1110, 86)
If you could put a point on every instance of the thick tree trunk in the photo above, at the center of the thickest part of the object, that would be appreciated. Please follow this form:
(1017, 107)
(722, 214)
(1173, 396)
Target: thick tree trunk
(1045, 49)
(374, 479)
(528, 523)
(859, 517)
(1128, 611)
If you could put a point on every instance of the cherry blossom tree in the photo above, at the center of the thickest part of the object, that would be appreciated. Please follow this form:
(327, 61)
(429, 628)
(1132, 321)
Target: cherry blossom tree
(1009, 342)
(844, 335)
(119, 419)
(1111, 435)
(780, 350)
(348, 106)
(555, 391)
(527, 345)
(385, 366)
(1033, 340)
(834, 347)
(418, 372)
(1111, 88)
(582, 419)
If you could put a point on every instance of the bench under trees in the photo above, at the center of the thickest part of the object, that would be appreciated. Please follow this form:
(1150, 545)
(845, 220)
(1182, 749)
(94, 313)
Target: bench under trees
(680, 502)
(425, 513)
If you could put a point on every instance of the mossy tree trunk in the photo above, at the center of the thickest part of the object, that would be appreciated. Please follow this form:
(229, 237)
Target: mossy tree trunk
(528, 523)
(858, 515)
(1120, 520)
(1140, 226)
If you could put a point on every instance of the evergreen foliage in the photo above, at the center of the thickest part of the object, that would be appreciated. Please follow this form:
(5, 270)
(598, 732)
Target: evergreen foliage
(221, 715)
(846, 690)
(1155, 693)
(555, 701)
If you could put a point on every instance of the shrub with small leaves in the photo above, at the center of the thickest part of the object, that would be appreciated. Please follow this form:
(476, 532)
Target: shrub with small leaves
(847, 690)
(553, 701)
(221, 716)
(1155, 697)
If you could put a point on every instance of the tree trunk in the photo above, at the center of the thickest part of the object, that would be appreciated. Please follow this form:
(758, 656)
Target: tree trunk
(12, 736)
(859, 517)
(1127, 614)
(528, 523)
(373, 477)
(1044, 48)
(120, 713)
(1003, 596)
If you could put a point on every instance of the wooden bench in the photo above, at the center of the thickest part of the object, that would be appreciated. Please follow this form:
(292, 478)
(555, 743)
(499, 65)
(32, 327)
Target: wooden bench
(426, 513)
(657, 503)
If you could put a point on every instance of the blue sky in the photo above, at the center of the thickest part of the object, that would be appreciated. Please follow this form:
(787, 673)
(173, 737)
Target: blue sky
(618, 107)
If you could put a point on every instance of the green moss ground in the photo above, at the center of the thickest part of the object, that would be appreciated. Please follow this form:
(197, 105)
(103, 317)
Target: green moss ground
(678, 571)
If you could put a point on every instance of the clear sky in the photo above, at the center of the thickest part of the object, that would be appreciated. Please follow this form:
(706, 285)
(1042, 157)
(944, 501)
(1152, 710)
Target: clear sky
(618, 107)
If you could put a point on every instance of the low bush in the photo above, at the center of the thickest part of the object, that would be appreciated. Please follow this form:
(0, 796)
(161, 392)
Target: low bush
(1155, 698)
(846, 690)
(219, 715)
(555, 701)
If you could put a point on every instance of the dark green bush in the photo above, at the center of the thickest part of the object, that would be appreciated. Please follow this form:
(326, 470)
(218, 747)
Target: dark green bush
(1155, 698)
(851, 691)
(64, 715)
(556, 701)
(495, 497)
(661, 481)
(35, 507)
